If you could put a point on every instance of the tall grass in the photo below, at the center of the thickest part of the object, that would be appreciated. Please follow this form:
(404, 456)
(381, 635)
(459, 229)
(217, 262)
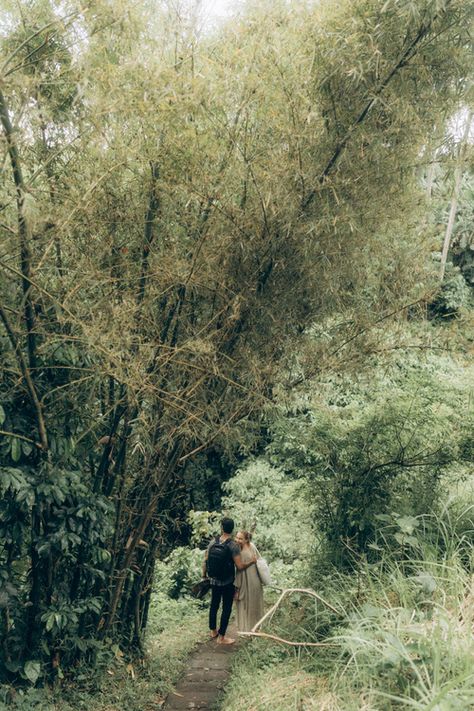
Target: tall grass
(405, 642)
(409, 641)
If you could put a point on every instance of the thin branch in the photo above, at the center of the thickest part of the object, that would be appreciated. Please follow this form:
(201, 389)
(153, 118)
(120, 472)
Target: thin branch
(269, 614)
(406, 56)
(22, 437)
(286, 641)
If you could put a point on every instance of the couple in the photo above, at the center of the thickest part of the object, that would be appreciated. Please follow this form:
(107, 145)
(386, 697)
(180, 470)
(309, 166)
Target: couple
(223, 557)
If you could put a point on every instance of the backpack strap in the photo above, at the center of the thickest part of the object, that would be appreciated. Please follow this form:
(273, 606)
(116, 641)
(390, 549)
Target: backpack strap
(218, 540)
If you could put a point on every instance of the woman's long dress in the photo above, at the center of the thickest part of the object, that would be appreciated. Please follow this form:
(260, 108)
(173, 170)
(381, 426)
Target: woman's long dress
(249, 605)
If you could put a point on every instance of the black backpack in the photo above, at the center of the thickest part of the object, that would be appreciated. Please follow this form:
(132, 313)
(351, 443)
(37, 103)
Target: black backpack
(220, 564)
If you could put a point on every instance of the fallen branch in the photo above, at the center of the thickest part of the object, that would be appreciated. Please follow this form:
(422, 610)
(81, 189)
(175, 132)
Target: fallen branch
(269, 614)
(309, 591)
(286, 641)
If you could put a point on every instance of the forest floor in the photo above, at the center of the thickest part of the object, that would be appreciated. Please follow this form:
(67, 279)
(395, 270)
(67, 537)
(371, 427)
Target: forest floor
(204, 677)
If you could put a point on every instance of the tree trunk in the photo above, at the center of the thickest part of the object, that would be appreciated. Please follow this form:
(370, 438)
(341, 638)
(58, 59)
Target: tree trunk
(455, 196)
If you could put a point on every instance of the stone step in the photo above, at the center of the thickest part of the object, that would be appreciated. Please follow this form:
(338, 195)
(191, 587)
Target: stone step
(204, 678)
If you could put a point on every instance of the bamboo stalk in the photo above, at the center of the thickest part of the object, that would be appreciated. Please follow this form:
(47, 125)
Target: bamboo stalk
(23, 229)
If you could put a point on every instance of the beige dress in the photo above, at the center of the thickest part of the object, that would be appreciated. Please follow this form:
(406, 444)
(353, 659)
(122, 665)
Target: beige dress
(249, 605)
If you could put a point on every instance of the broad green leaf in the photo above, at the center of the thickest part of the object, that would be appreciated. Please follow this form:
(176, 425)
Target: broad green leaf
(32, 671)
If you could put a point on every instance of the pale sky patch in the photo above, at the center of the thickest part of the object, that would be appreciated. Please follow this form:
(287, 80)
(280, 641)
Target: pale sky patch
(214, 11)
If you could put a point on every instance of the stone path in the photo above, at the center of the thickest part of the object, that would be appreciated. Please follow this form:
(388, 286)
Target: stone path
(205, 676)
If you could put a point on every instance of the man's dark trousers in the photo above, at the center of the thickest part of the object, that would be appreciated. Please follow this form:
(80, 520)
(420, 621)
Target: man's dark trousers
(226, 594)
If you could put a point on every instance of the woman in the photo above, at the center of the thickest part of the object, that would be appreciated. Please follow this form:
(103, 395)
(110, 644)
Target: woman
(249, 591)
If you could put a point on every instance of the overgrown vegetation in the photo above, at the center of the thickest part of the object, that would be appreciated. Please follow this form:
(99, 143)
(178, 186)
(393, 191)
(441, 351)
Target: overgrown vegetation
(235, 262)
(400, 574)
(405, 640)
(116, 682)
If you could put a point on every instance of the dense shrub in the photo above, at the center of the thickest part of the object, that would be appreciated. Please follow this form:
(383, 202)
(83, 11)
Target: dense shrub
(377, 444)
(452, 296)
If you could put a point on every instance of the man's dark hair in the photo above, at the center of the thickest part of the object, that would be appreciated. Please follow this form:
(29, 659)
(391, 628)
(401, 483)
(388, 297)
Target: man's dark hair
(227, 525)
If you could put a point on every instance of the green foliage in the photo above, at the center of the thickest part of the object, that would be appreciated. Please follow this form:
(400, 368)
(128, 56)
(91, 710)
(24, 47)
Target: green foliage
(275, 509)
(270, 505)
(170, 227)
(77, 534)
(204, 525)
(178, 572)
(174, 628)
(167, 613)
(452, 297)
(377, 445)
(413, 647)
(404, 642)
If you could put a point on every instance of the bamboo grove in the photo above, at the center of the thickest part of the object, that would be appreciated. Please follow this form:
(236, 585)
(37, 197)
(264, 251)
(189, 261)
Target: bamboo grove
(177, 207)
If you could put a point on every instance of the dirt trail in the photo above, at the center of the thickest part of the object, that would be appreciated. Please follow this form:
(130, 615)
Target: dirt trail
(204, 677)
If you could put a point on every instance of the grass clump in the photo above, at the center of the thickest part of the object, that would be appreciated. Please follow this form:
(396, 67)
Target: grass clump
(415, 652)
(280, 682)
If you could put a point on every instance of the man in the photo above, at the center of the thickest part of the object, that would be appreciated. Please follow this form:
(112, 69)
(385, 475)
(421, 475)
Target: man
(221, 559)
